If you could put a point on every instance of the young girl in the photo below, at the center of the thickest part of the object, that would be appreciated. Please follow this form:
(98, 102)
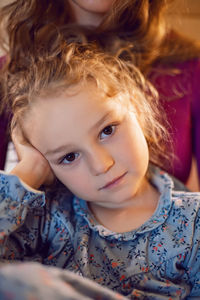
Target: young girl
(90, 120)
(170, 61)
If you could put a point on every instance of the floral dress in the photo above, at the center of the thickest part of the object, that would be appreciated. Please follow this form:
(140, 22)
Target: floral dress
(158, 260)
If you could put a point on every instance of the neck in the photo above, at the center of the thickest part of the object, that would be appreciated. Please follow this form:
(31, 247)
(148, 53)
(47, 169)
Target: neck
(84, 17)
(123, 219)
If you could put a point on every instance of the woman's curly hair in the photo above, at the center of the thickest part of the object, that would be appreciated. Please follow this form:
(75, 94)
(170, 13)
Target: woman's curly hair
(24, 24)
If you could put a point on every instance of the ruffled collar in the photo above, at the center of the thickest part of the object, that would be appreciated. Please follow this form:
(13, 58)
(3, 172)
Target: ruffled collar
(161, 181)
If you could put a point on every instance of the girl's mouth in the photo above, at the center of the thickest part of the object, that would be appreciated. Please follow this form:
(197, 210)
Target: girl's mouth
(114, 182)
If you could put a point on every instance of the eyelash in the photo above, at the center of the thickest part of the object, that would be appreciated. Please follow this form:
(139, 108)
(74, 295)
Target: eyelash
(69, 162)
(113, 126)
(109, 126)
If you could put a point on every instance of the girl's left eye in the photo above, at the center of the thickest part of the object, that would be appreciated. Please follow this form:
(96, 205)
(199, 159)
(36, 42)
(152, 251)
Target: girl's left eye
(107, 131)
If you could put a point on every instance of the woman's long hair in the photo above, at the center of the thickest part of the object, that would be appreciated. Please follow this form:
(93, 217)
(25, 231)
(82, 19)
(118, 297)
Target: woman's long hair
(139, 23)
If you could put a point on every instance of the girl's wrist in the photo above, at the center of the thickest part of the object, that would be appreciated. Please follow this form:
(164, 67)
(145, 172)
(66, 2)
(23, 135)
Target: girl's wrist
(33, 174)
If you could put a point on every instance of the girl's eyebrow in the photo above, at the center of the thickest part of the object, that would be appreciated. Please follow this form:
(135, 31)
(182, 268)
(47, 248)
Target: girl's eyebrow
(101, 121)
(63, 147)
(56, 150)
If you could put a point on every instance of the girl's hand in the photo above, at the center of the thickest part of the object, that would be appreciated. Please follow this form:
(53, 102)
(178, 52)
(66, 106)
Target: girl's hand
(33, 168)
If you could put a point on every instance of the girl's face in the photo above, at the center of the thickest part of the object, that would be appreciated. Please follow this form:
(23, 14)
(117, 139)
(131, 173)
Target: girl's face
(94, 145)
(90, 12)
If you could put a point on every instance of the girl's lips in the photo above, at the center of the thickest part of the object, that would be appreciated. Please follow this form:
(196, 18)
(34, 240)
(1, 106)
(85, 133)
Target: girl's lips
(114, 182)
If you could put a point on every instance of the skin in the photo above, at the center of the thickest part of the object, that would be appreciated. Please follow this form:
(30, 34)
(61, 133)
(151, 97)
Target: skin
(89, 12)
(102, 158)
(32, 167)
(96, 147)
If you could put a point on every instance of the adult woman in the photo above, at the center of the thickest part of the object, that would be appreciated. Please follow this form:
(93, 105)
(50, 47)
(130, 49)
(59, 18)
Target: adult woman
(169, 60)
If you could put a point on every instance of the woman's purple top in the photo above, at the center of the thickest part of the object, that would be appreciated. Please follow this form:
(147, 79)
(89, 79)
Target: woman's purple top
(180, 94)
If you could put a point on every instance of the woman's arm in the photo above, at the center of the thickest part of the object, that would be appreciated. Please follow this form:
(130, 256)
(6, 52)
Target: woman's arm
(196, 115)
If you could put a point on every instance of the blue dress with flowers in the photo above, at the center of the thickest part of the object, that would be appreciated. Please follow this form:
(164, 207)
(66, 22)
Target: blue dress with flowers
(159, 260)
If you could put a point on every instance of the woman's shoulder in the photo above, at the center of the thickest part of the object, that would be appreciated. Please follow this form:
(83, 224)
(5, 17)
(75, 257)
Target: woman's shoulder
(176, 80)
(176, 69)
(188, 64)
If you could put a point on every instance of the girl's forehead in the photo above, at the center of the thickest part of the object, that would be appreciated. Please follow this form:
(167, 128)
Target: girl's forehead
(79, 103)
(84, 89)
(76, 101)
(70, 117)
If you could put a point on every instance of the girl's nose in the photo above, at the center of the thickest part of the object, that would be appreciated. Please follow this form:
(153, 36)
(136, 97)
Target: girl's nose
(100, 161)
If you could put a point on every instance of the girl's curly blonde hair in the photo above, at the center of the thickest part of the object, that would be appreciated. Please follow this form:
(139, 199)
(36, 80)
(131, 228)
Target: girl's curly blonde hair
(64, 65)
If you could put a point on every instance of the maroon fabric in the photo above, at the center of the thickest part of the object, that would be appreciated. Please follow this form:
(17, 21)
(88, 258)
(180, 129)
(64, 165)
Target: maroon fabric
(180, 95)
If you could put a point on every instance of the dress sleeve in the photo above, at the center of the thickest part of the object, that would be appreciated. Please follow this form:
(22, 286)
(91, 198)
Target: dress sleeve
(196, 114)
(193, 261)
(18, 205)
(35, 225)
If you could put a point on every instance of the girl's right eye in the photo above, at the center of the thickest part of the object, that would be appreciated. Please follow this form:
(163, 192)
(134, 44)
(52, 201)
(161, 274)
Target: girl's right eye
(69, 158)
